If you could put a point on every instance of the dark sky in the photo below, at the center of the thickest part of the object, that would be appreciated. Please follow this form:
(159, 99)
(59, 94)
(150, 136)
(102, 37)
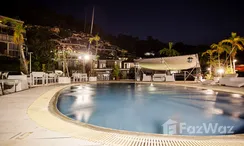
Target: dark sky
(189, 21)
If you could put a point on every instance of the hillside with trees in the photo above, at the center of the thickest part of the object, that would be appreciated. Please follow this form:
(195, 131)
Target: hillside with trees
(40, 20)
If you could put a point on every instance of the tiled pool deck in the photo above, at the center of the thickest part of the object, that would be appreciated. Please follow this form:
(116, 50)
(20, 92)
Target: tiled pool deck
(26, 120)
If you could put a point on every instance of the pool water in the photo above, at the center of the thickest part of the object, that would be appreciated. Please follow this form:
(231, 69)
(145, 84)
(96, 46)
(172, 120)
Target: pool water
(154, 108)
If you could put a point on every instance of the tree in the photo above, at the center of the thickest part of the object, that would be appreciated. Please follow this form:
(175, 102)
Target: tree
(219, 49)
(40, 43)
(116, 72)
(210, 53)
(236, 43)
(169, 51)
(18, 39)
(96, 39)
(123, 52)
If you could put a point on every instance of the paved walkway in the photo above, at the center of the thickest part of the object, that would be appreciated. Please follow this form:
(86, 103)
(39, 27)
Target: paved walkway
(17, 129)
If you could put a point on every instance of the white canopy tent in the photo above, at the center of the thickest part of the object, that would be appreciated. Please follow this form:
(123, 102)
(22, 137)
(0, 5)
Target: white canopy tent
(170, 63)
(174, 63)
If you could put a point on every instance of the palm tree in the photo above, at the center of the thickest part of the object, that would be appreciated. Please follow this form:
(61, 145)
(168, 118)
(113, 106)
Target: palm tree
(169, 51)
(236, 43)
(96, 39)
(18, 39)
(123, 52)
(219, 49)
(210, 53)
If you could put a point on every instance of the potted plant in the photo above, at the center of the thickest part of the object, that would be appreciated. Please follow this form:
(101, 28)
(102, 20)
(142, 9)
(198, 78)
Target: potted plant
(116, 72)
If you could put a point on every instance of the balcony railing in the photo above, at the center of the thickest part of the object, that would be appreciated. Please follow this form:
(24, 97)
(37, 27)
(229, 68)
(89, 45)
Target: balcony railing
(6, 38)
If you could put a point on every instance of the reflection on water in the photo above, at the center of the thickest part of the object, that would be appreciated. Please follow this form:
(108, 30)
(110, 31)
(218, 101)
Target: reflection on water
(145, 107)
(209, 92)
(82, 104)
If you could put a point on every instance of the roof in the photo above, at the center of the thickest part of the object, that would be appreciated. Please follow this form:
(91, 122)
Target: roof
(4, 17)
(170, 63)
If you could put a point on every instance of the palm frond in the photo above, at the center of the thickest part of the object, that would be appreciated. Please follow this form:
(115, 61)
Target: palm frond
(213, 46)
(96, 38)
(209, 52)
(233, 34)
(91, 40)
(163, 51)
(239, 47)
(226, 41)
(170, 45)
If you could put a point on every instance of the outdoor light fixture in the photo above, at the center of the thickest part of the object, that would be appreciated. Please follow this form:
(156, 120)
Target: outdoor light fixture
(234, 60)
(87, 57)
(149, 54)
(220, 71)
(79, 57)
(189, 59)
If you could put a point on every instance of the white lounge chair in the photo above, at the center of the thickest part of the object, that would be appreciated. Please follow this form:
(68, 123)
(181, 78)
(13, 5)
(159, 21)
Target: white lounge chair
(170, 78)
(209, 82)
(224, 80)
(22, 81)
(159, 77)
(9, 82)
(146, 78)
(92, 79)
(235, 82)
(215, 81)
(232, 80)
(58, 73)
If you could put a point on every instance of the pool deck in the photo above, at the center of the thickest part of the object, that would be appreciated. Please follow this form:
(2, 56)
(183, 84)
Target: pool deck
(26, 120)
(17, 129)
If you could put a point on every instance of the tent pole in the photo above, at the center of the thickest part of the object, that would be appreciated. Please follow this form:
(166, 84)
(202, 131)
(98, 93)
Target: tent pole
(190, 73)
(136, 71)
(184, 76)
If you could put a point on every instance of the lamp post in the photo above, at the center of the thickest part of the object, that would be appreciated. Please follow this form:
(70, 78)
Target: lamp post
(30, 60)
(86, 57)
(83, 64)
(234, 65)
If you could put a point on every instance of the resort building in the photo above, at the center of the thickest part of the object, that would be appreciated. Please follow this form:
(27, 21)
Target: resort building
(102, 56)
(7, 46)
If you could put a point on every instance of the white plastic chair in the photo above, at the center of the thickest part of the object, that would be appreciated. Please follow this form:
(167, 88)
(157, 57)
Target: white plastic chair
(84, 77)
(37, 76)
(106, 76)
(52, 77)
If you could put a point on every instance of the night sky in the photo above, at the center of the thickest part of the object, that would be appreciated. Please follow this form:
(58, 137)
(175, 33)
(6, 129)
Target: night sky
(189, 21)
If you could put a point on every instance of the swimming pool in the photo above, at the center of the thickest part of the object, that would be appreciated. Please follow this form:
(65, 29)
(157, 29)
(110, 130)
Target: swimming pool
(154, 108)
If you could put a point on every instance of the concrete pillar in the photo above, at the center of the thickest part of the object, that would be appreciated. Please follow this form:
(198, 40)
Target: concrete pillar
(7, 48)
